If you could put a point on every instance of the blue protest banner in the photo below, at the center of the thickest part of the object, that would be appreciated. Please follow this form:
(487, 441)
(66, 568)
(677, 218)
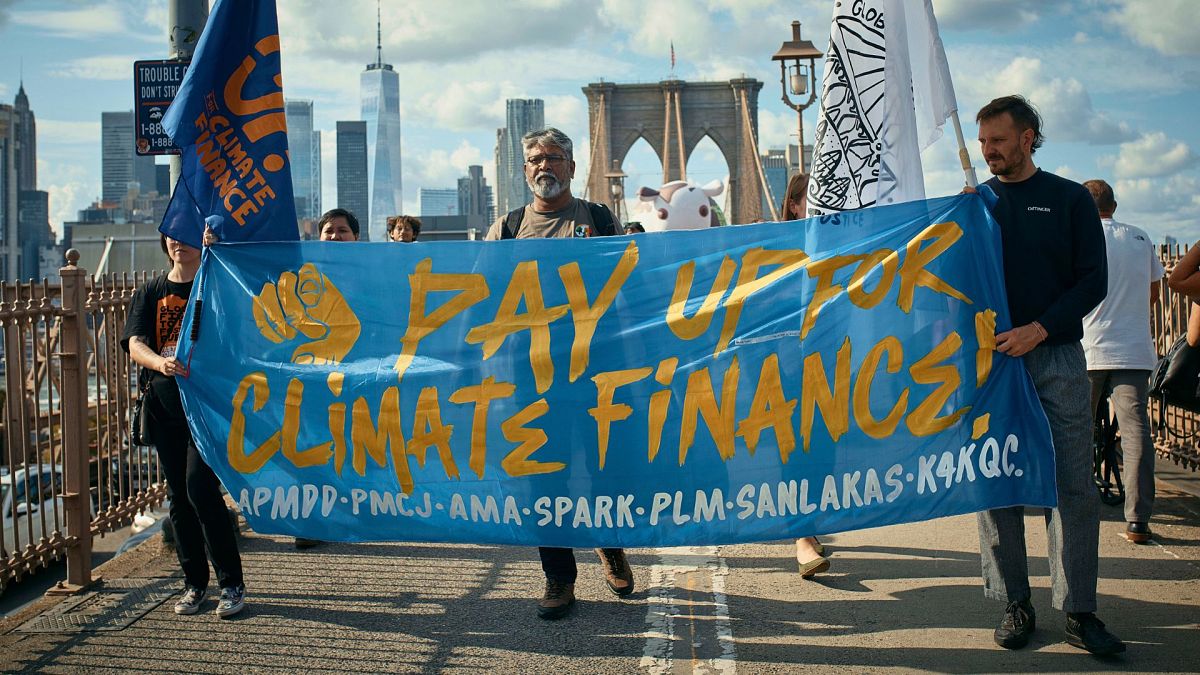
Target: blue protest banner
(698, 387)
(228, 120)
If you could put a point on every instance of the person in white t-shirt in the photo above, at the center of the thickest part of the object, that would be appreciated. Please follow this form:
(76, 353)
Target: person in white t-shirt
(1120, 352)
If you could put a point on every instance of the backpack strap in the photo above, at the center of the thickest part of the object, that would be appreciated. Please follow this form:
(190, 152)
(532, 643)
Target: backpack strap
(602, 219)
(512, 223)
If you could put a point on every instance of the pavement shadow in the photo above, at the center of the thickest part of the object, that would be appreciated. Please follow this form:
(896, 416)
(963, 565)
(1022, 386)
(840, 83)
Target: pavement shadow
(1160, 635)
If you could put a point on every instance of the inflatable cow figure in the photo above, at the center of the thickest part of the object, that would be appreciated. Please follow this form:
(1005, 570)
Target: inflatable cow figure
(680, 205)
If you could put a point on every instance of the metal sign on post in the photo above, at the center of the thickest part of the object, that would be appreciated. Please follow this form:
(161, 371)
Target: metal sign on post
(154, 86)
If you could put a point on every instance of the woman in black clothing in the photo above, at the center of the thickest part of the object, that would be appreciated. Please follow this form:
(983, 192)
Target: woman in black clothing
(198, 511)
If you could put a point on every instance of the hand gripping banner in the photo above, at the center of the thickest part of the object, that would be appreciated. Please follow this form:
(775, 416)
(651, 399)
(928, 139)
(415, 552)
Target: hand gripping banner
(698, 387)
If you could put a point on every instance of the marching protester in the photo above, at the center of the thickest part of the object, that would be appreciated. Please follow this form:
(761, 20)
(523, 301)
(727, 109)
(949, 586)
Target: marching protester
(795, 198)
(1055, 272)
(810, 554)
(404, 229)
(334, 225)
(1120, 352)
(198, 512)
(337, 225)
(555, 213)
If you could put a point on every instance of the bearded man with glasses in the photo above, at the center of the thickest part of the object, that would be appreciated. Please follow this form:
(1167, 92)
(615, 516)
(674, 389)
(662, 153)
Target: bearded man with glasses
(555, 213)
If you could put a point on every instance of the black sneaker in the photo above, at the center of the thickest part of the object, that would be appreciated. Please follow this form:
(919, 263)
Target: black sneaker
(1087, 632)
(557, 601)
(1018, 624)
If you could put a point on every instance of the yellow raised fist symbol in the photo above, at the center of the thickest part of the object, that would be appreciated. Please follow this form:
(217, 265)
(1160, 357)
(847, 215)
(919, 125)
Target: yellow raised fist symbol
(306, 303)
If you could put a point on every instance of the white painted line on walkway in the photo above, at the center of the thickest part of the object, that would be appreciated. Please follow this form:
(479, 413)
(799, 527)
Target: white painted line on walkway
(1173, 554)
(671, 612)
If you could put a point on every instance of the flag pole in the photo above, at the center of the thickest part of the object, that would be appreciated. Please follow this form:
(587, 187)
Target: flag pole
(963, 156)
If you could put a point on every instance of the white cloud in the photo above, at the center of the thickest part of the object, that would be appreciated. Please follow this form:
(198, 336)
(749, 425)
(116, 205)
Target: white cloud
(942, 172)
(1067, 171)
(439, 168)
(95, 21)
(1168, 26)
(991, 15)
(1064, 103)
(66, 134)
(570, 114)
(427, 32)
(778, 129)
(71, 187)
(1161, 206)
(652, 26)
(1150, 156)
(463, 106)
(115, 68)
(155, 14)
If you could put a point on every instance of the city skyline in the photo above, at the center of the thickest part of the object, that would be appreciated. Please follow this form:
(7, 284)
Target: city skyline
(1114, 83)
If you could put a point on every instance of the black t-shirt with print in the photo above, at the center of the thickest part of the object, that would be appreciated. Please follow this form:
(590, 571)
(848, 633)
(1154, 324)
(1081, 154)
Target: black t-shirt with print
(155, 315)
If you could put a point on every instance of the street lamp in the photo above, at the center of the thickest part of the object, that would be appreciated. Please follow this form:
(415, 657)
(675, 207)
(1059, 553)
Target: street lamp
(616, 188)
(797, 73)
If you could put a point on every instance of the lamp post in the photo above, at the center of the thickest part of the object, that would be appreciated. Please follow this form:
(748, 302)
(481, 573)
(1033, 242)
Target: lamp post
(616, 188)
(797, 74)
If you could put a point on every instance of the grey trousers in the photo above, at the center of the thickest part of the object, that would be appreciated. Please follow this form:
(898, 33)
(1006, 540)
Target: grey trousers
(1127, 394)
(1059, 375)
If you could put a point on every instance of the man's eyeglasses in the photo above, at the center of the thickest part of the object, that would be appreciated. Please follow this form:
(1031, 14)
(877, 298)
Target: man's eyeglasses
(553, 160)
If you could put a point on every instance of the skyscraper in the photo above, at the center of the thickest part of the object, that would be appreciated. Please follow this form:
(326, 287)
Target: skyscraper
(439, 201)
(162, 179)
(352, 168)
(380, 91)
(8, 193)
(33, 231)
(25, 133)
(775, 168)
(304, 148)
(316, 173)
(24, 210)
(522, 116)
(120, 167)
(475, 195)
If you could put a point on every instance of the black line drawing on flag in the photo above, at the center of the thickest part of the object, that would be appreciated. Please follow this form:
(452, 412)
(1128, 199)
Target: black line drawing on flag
(848, 143)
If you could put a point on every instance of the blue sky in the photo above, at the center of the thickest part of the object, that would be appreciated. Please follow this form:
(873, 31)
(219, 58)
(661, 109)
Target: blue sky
(1118, 81)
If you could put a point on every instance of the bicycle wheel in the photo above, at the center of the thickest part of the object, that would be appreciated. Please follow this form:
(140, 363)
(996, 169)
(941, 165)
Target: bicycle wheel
(1108, 468)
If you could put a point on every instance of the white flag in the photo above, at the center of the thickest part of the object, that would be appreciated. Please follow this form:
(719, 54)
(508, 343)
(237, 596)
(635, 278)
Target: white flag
(887, 92)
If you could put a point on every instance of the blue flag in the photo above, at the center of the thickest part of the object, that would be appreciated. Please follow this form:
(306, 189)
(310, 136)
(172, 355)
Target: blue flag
(228, 120)
(713, 386)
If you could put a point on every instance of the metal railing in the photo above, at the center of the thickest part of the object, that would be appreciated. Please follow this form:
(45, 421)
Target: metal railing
(68, 466)
(67, 469)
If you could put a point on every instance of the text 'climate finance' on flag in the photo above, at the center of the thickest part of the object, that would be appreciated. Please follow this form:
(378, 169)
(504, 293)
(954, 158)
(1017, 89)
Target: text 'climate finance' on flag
(228, 120)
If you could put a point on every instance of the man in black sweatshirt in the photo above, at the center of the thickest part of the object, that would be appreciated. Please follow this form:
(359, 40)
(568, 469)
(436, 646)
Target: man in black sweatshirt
(1055, 272)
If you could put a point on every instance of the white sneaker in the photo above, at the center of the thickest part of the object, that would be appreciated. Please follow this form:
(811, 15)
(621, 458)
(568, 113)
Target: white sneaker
(191, 600)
